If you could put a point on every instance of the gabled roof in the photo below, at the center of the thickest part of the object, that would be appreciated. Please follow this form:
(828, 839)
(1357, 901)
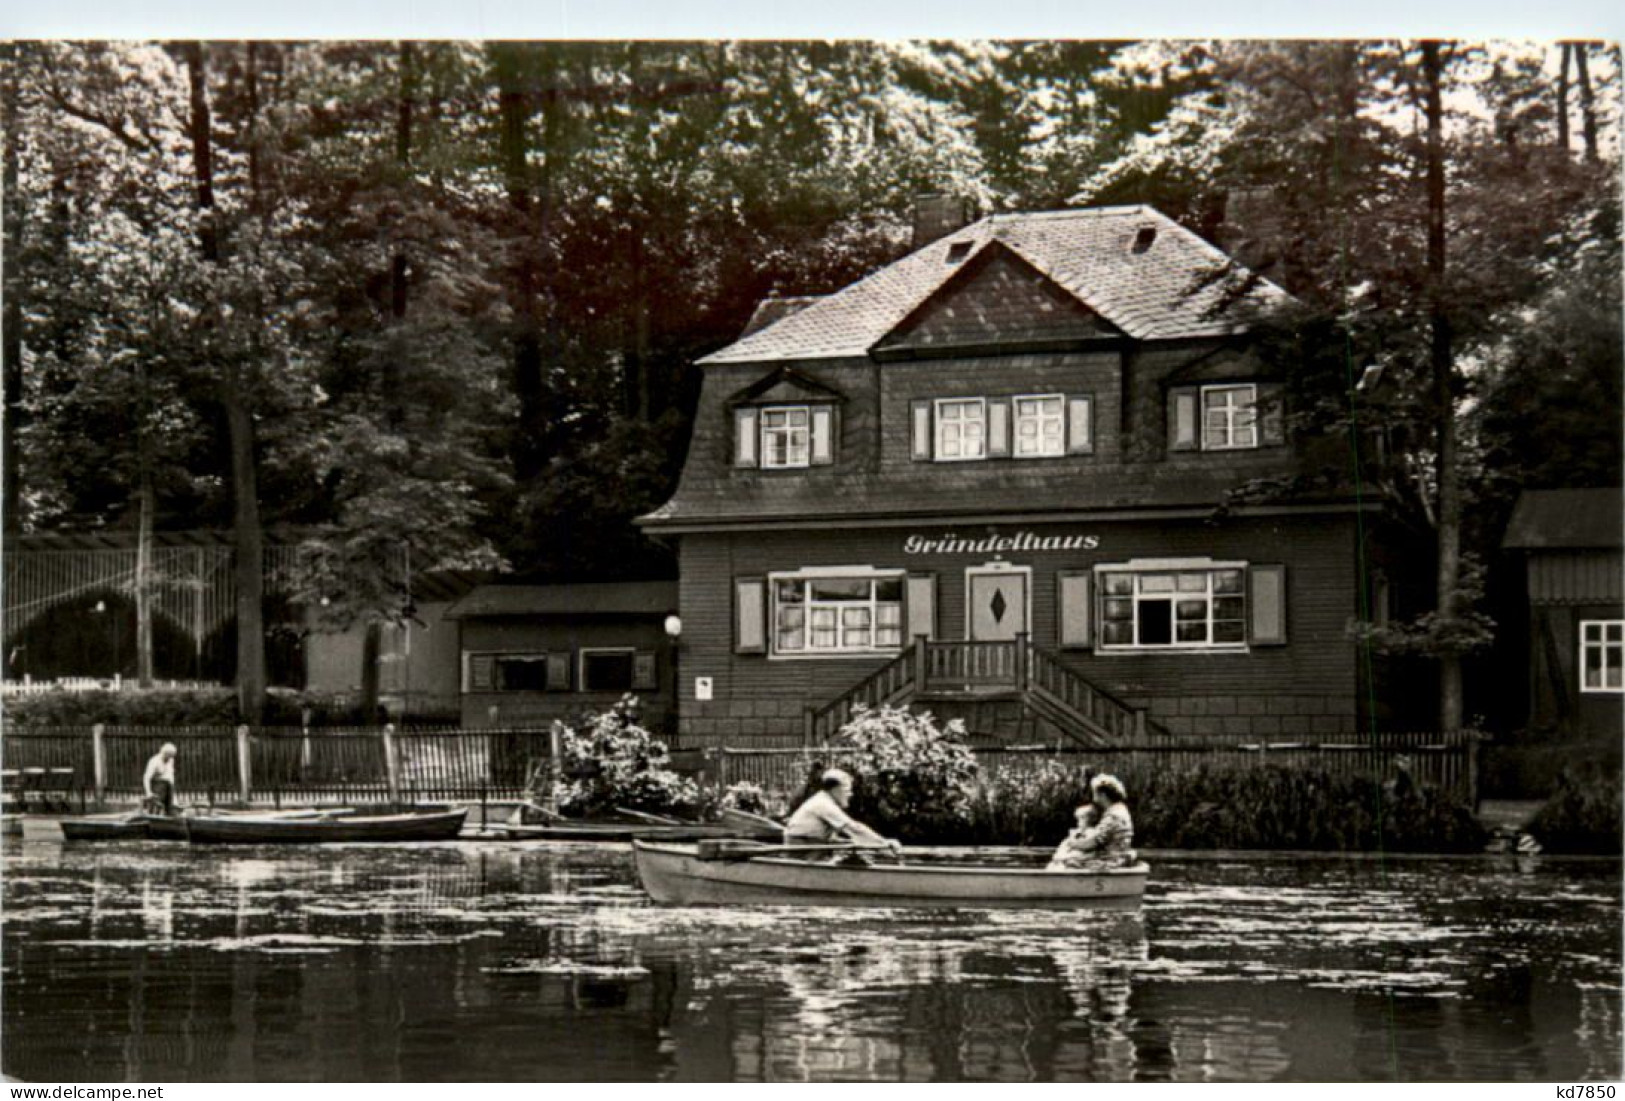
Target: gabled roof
(785, 384)
(592, 598)
(1137, 268)
(775, 308)
(1567, 519)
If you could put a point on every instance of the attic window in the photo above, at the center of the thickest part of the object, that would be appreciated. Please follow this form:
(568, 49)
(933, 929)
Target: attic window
(958, 251)
(1144, 238)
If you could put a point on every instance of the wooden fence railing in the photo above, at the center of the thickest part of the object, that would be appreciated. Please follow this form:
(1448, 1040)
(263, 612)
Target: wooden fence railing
(277, 763)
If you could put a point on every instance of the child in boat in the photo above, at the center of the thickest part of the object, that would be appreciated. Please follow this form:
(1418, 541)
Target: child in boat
(1104, 838)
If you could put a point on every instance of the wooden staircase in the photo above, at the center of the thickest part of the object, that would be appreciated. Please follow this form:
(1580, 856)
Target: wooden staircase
(968, 674)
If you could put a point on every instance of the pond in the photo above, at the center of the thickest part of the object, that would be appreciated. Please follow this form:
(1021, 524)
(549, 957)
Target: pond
(153, 962)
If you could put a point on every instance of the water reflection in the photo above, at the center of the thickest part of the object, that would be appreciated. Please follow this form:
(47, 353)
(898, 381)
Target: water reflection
(149, 962)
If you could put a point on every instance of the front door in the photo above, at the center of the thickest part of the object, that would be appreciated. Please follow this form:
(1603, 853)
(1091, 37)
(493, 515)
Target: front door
(997, 604)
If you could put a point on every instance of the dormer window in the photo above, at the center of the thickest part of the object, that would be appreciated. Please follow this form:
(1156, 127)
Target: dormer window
(786, 437)
(961, 429)
(1229, 417)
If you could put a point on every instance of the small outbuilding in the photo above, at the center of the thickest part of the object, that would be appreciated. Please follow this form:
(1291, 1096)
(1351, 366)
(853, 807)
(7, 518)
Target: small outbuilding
(535, 653)
(1574, 552)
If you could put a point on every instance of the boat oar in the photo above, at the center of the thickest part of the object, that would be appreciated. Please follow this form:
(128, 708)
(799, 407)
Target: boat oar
(746, 850)
(652, 819)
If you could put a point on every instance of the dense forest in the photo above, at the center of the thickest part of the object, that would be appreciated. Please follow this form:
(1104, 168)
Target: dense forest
(448, 295)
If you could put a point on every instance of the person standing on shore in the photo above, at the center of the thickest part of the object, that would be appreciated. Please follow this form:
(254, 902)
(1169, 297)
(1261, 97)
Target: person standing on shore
(159, 780)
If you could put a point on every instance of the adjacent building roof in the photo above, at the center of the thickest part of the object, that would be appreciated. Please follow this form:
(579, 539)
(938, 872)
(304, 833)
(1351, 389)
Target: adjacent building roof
(593, 598)
(1137, 268)
(1567, 519)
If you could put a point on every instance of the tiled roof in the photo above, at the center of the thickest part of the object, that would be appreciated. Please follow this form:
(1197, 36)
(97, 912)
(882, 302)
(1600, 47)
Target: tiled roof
(1160, 284)
(1191, 484)
(591, 598)
(1567, 519)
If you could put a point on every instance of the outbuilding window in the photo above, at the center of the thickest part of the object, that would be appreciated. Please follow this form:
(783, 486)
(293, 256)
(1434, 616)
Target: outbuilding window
(516, 672)
(837, 615)
(1602, 655)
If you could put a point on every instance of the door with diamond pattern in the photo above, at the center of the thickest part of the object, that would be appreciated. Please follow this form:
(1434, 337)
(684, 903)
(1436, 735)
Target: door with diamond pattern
(997, 604)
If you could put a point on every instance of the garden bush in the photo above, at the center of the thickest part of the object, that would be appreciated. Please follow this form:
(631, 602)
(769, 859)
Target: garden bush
(613, 761)
(913, 780)
(1583, 815)
(209, 706)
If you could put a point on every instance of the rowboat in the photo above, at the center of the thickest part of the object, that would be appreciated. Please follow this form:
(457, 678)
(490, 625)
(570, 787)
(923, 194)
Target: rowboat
(269, 830)
(140, 826)
(690, 875)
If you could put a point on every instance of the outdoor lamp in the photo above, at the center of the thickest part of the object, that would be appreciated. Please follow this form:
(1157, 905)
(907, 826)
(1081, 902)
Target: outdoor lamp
(674, 626)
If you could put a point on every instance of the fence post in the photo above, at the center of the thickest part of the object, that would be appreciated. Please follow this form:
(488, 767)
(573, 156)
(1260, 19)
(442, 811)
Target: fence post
(245, 765)
(392, 765)
(809, 726)
(1139, 725)
(98, 761)
(555, 765)
(1473, 742)
(920, 656)
(1020, 670)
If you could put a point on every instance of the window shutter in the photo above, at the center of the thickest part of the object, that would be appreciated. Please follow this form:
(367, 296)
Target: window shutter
(1271, 415)
(1183, 419)
(1076, 606)
(559, 670)
(643, 672)
(998, 428)
(920, 419)
(922, 606)
(1080, 429)
(745, 437)
(750, 615)
(1267, 593)
(823, 430)
(481, 673)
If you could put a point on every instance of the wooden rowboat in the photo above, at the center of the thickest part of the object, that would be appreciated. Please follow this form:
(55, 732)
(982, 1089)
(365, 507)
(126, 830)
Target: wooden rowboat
(140, 826)
(566, 830)
(269, 830)
(678, 874)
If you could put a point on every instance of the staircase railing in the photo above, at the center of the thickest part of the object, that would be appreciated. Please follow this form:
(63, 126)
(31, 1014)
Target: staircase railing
(1061, 695)
(1098, 710)
(888, 684)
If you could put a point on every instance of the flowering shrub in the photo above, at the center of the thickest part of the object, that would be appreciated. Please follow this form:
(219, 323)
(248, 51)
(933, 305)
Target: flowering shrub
(1583, 815)
(745, 796)
(612, 761)
(913, 780)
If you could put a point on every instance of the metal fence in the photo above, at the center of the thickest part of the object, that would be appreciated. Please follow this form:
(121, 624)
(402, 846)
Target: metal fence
(275, 763)
(1448, 762)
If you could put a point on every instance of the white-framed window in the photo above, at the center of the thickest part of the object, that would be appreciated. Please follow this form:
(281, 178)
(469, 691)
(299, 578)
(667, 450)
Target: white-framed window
(1173, 606)
(817, 613)
(608, 669)
(786, 437)
(961, 429)
(1229, 417)
(1602, 655)
(1040, 426)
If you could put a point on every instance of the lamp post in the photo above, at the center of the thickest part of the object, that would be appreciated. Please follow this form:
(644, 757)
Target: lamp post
(674, 632)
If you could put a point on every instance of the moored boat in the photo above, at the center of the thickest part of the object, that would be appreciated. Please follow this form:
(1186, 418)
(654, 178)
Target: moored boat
(439, 825)
(140, 826)
(565, 830)
(689, 875)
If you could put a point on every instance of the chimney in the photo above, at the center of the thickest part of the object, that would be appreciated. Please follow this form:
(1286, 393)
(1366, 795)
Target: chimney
(1252, 228)
(936, 216)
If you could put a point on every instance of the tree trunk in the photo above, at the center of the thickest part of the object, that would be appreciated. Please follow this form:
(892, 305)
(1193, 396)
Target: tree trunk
(1565, 49)
(1441, 356)
(11, 347)
(371, 648)
(146, 505)
(1588, 108)
(514, 104)
(248, 538)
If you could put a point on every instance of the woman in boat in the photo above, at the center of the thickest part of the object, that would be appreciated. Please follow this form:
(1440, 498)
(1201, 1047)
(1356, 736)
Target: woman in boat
(823, 820)
(1104, 838)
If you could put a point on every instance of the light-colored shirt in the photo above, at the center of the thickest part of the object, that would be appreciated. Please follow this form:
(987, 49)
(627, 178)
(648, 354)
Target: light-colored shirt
(158, 768)
(818, 819)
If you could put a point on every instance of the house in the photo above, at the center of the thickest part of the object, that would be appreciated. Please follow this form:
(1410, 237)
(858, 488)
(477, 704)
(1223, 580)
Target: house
(1573, 549)
(534, 653)
(987, 479)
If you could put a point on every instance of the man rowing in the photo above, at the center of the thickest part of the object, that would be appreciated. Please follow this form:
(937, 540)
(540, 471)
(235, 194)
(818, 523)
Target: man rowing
(159, 781)
(823, 820)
